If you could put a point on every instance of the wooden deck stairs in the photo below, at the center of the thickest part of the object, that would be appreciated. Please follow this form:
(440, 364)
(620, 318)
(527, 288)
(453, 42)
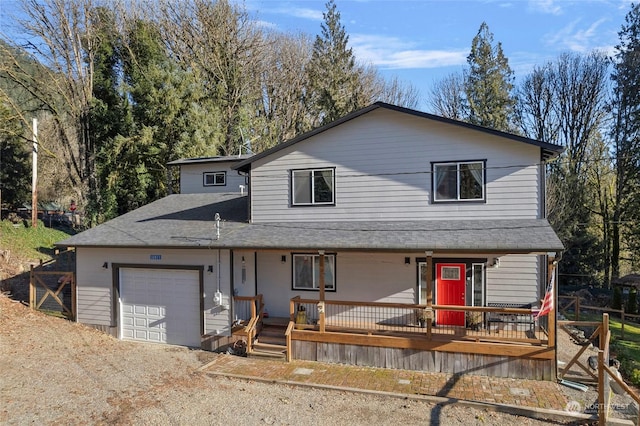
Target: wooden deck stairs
(270, 341)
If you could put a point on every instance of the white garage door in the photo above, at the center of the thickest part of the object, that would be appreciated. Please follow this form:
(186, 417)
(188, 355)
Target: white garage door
(160, 305)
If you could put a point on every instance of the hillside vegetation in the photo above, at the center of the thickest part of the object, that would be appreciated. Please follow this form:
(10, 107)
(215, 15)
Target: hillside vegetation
(21, 246)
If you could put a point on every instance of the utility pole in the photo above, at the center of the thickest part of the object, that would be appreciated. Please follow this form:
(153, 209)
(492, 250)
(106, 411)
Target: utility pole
(34, 176)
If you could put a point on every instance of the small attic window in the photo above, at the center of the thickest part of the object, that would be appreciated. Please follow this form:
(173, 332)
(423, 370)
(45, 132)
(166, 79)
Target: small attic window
(215, 178)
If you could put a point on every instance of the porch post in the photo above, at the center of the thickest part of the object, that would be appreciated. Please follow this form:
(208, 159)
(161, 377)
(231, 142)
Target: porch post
(429, 283)
(551, 318)
(321, 317)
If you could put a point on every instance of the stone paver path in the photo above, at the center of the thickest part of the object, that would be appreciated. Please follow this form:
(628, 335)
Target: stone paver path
(522, 393)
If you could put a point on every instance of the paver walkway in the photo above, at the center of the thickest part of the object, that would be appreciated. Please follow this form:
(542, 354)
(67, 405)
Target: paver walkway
(523, 393)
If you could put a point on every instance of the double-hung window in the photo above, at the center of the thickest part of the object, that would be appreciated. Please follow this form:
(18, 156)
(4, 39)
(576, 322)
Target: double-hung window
(214, 178)
(313, 187)
(306, 272)
(459, 181)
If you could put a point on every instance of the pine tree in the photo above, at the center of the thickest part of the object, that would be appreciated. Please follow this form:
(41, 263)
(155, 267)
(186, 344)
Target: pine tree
(489, 83)
(626, 141)
(335, 88)
(14, 161)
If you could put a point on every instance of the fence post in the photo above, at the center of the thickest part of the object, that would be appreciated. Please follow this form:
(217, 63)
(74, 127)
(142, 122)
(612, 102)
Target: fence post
(602, 414)
(32, 289)
(622, 323)
(74, 307)
(577, 308)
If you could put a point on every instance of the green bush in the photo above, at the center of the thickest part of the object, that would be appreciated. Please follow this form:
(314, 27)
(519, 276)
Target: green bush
(632, 301)
(616, 300)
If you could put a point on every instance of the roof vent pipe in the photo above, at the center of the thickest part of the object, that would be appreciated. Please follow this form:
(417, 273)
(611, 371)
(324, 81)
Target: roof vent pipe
(217, 219)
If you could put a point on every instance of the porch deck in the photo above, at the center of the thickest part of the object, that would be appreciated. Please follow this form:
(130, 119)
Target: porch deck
(390, 335)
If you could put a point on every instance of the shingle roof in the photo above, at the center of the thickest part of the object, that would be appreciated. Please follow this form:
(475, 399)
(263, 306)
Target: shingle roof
(187, 221)
(218, 159)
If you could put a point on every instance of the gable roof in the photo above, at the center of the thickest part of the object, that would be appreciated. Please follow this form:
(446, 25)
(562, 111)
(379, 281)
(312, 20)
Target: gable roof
(549, 150)
(187, 221)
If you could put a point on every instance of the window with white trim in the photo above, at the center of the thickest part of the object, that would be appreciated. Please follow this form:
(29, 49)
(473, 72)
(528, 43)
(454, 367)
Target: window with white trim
(313, 187)
(306, 272)
(459, 181)
(214, 178)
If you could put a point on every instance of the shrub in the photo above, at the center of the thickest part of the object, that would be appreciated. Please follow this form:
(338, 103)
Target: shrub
(632, 301)
(616, 300)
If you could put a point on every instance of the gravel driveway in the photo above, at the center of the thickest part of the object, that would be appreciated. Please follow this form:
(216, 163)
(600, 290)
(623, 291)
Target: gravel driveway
(58, 372)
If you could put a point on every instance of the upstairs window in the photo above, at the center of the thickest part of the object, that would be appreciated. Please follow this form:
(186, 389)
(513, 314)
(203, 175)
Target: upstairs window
(313, 187)
(306, 272)
(215, 178)
(461, 181)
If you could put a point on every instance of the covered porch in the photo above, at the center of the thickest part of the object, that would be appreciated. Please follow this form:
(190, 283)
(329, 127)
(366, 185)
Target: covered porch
(501, 341)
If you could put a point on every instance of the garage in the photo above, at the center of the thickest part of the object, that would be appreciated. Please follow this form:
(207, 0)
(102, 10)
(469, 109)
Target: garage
(160, 306)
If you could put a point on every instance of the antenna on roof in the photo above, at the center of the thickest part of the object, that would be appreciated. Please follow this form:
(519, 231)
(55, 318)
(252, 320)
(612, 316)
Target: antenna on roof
(245, 144)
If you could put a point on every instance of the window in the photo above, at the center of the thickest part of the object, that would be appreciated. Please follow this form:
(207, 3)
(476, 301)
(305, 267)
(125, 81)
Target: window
(463, 181)
(215, 178)
(451, 273)
(306, 272)
(313, 187)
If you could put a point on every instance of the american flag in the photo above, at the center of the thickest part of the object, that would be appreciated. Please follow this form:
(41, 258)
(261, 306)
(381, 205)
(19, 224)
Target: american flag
(547, 303)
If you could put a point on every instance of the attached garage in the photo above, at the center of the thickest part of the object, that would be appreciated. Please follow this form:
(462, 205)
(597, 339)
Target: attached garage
(160, 305)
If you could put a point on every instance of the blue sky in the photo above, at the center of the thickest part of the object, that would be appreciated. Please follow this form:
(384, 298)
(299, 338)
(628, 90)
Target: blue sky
(422, 41)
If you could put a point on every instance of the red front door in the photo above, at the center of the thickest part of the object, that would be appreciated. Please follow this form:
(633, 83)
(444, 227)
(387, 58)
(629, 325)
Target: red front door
(450, 285)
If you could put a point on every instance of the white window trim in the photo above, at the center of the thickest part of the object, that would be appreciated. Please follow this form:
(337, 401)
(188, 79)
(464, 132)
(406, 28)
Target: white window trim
(316, 286)
(314, 203)
(214, 174)
(458, 199)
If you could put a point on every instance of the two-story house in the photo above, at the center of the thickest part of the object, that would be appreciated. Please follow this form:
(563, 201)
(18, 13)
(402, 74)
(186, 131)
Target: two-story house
(390, 237)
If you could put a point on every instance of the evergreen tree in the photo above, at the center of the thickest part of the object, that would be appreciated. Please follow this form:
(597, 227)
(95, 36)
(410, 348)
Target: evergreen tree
(224, 49)
(626, 142)
(171, 113)
(15, 171)
(109, 114)
(335, 87)
(488, 83)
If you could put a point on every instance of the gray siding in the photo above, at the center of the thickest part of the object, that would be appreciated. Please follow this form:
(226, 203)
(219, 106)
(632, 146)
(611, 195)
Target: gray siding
(94, 283)
(383, 172)
(372, 277)
(191, 178)
(515, 280)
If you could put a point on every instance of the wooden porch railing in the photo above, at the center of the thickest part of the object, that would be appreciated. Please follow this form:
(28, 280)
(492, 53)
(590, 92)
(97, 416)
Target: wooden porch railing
(249, 311)
(516, 325)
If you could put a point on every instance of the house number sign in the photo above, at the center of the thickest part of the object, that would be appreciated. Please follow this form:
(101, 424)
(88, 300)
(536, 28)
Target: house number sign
(155, 257)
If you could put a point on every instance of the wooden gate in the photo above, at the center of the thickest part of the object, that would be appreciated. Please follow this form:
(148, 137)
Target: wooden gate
(52, 286)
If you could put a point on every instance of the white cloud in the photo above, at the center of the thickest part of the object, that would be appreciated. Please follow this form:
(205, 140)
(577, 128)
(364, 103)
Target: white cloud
(573, 38)
(545, 6)
(393, 53)
(297, 12)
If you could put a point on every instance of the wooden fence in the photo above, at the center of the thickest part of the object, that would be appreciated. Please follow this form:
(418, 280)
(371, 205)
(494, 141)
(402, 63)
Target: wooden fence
(571, 307)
